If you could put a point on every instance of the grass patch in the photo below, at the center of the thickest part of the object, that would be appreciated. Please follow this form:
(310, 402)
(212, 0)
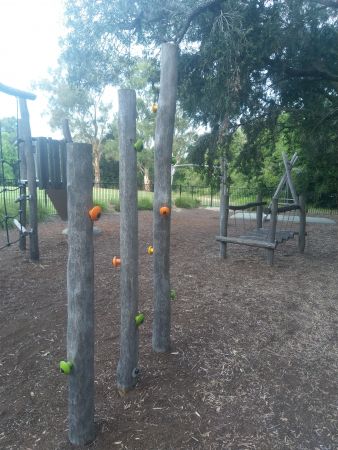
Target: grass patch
(103, 205)
(12, 211)
(143, 204)
(187, 202)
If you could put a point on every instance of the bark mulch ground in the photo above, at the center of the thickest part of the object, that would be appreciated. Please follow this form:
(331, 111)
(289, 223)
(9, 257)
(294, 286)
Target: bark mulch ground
(254, 354)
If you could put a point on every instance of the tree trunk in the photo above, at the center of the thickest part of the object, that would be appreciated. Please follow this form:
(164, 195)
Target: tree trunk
(162, 196)
(80, 289)
(146, 180)
(96, 161)
(127, 366)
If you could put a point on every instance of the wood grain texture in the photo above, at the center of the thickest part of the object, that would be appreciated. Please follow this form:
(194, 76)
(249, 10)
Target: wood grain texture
(128, 361)
(162, 196)
(80, 290)
(25, 129)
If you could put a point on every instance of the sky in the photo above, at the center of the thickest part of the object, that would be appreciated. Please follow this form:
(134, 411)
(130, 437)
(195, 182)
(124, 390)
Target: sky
(29, 35)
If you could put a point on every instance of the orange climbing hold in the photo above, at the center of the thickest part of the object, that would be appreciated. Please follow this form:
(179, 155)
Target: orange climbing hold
(95, 213)
(154, 107)
(116, 261)
(164, 211)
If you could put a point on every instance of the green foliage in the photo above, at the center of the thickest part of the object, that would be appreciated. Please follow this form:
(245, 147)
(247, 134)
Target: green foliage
(269, 66)
(186, 202)
(12, 211)
(43, 212)
(101, 203)
(9, 149)
(143, 204)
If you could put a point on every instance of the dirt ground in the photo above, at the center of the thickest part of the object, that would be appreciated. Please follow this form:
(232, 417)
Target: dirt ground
(254, 357)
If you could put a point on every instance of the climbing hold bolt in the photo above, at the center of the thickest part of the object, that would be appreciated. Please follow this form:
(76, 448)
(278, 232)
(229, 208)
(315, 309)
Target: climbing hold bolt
(154, 107)
(164, 211)
(138, 146)
(135, 372)
(116, 261)
(150, 250)
(139, 319)
(66, 367)
(95, 213)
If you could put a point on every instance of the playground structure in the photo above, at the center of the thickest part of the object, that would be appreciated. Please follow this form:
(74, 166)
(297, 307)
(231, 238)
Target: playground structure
(80, 279)
(62, 168)
(274, 224)
(27, 175)
(42, 163)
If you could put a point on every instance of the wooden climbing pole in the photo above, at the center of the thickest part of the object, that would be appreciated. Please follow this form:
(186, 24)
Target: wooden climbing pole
(127, 367)
(80, 289)
(162, 196)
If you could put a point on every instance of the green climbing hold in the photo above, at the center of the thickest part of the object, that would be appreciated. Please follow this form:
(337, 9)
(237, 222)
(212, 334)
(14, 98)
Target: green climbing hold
(66, 367)
(138, 146)
(139, 319)
(172, 294)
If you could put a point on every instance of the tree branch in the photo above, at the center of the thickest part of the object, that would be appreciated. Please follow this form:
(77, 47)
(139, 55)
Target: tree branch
(192, 15)
(328, 3)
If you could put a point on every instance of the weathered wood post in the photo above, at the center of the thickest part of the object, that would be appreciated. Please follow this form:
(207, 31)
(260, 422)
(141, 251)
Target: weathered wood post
(164, 134)
(272, 237)
(302, 223)
(22, 183)
(127, 366)
(80, 289)
(259, 211)
(31, 181)
(223, 209)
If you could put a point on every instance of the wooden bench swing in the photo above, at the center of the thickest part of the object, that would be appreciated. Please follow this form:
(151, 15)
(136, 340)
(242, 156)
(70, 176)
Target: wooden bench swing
(274, 224)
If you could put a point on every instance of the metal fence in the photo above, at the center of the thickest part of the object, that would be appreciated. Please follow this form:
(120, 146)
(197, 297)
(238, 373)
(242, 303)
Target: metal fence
(107, 195)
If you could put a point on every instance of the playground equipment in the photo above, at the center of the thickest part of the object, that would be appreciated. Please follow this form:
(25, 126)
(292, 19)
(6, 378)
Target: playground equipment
(129, 338)
(80, 292)
(50, 163)
(164, 211)
(27, 172)
(43, 165)
(164, 133)
(150, 250)
(278, 223)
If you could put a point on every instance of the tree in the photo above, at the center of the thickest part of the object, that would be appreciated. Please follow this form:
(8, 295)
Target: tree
(9, 148)
(87, 113)
(242, 62)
